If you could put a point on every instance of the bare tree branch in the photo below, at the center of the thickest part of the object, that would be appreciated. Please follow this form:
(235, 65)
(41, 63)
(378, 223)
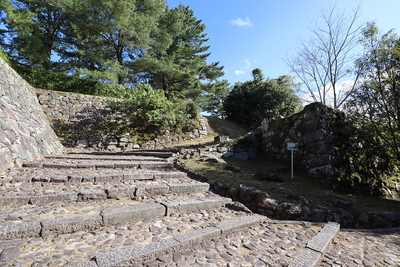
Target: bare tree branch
(326, 60)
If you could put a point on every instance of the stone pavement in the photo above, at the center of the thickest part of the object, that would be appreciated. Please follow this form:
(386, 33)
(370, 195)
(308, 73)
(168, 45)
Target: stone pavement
(364, 248)
(137, 210)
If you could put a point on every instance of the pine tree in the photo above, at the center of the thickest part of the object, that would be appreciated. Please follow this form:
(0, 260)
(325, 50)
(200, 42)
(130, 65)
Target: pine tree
(180, 68)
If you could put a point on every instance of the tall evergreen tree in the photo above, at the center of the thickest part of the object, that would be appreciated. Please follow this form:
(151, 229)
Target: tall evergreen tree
(181, 68)
(33, 29)
(108, 36)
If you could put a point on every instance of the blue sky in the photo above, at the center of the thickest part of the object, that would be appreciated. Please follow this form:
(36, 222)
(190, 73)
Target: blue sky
(244, 35)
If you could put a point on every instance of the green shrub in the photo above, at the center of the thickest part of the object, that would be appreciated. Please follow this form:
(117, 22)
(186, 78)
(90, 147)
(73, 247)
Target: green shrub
(362, 160)
(148, 110)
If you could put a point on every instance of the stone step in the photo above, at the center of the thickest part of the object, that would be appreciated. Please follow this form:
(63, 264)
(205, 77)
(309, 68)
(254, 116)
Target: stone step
(109, 157)
(228, 244)
(74, 176)
(159, 153)
(105, 164)
(64, 222)
(83, 192)
(96, 239)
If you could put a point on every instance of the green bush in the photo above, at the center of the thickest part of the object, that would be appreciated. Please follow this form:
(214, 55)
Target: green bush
(252, 102)
(362, 160)
(148, 110)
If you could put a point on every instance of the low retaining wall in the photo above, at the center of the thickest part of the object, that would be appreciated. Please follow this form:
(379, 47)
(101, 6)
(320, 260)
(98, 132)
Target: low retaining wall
(82, 120)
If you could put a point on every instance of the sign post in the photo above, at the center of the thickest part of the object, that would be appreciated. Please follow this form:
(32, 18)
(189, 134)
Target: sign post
(292, 147)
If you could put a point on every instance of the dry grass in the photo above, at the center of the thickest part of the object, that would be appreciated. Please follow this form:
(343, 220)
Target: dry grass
(291, 189)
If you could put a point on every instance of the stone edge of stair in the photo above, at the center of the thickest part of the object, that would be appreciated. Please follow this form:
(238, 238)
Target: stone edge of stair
(97, 178)
(129, 256)
(105, 217)
(113, 193)
(315, 249)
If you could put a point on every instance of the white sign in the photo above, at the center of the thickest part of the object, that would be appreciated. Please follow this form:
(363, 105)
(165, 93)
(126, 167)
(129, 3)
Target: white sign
(292, 146)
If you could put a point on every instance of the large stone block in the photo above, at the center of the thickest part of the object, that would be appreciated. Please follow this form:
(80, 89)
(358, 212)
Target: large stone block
(132, 213)
(188, 187)
(70, 225)
(19, 230)
(151, 190)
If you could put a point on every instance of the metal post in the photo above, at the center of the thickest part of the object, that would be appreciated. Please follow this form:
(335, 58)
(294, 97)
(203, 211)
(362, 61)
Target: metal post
(292, 163)
(292, 147)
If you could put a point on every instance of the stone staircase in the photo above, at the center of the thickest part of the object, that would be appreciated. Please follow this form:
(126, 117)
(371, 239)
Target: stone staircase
(136, 209)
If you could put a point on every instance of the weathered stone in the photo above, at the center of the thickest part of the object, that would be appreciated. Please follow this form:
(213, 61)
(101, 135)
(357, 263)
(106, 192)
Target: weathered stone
(322, 240)
(25, 133)
(14, 200)
(10, 254)
(92, 195)
(44, 199)
(151, 190)
(231, 167)
(188, 187)
(120, 193)
(132, 213)
(288, 210)
(242, 155)
(188, 205)
(363, 221)
(238, 206)
(70, 225)
(267, 203)
(20, 230)
(306, 257)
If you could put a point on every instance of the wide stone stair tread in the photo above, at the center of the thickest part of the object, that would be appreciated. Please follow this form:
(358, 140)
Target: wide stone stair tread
(82, 246)
(75, 175)
(159, 153)
(103, 161)
(105, 164)
(29, 193)
(107, 157)
(95, 200)
(244, 241)
(73, 217)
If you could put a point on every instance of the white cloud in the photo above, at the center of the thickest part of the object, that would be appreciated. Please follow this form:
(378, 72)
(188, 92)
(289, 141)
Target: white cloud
(246, 66)
(241, 22)
(239, 72)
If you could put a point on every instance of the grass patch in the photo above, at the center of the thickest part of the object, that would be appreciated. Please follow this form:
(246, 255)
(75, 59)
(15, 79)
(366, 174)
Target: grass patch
(316, 193)
(218, 127)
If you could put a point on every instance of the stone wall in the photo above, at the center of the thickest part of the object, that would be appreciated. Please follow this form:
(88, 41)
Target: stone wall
(312, 131)
(25, 133)
(85, 122)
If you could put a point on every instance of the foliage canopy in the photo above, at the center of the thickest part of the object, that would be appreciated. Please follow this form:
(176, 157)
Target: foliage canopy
(252, 102)
(376, 99)
(119, 42)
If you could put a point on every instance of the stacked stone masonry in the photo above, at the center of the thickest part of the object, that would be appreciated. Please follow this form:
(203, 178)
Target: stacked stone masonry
(310, 129)
(84, 117)
(25, 132)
